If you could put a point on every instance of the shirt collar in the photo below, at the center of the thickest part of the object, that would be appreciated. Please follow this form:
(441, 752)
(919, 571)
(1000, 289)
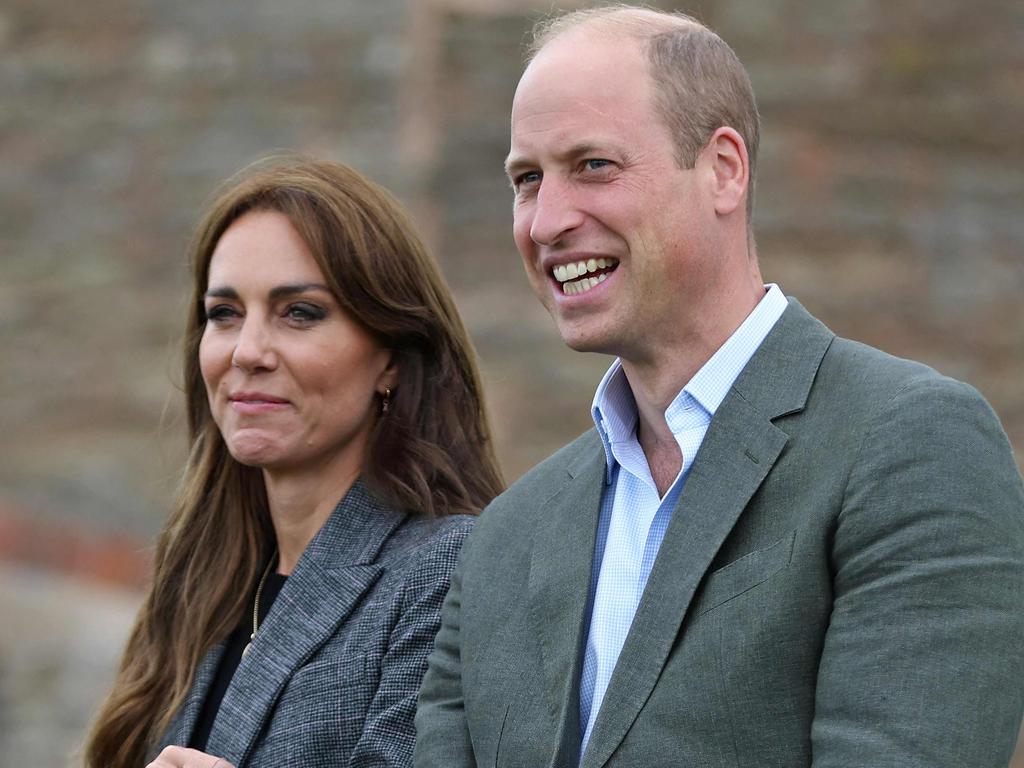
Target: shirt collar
(614, 409)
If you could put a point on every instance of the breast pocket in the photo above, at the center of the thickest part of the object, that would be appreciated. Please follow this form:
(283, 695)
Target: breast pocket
(744, 573)
(324, 704)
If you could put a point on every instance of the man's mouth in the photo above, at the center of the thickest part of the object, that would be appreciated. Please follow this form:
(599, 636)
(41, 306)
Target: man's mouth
(581, 276)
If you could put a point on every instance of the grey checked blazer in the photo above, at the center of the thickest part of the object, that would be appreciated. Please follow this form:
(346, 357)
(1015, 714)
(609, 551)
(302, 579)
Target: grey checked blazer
(332, 676)
(841, 586)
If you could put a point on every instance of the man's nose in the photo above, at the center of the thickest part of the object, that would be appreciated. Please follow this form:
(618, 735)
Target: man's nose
(556, 212)
(254, 347)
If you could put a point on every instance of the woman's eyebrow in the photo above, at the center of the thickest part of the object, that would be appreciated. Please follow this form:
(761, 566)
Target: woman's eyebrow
(221, 293)
(288, 290)
(278, 292)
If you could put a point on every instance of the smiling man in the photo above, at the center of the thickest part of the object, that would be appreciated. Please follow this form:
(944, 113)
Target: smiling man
(776, 547)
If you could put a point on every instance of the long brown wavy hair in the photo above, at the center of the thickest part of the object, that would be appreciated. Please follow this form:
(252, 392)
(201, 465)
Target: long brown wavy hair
(431, 454)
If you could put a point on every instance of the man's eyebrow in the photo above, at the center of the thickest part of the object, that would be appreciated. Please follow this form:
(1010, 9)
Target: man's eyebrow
(276, 293)
(515, 163)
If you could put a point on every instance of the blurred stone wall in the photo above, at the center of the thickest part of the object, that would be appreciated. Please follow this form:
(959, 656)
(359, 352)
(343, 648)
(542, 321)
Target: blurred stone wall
(890, 200)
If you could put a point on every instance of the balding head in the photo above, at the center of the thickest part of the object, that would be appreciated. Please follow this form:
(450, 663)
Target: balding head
(699, 83)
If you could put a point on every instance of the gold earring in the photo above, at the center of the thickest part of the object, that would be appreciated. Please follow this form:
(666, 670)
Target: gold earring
(385, 402)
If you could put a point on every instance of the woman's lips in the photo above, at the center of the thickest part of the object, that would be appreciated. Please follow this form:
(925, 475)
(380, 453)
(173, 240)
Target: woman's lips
(257, 402)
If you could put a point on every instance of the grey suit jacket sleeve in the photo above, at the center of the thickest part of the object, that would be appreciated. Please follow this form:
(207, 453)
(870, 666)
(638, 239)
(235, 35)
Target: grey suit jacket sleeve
(442, 735)
(922, 663)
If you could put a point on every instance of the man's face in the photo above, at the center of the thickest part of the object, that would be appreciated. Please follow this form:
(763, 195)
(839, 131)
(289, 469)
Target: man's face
(597, 188)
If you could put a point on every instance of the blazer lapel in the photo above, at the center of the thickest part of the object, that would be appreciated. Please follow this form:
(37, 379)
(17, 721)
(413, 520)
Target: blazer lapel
(740, 448)
(328, 582)
(559, 589)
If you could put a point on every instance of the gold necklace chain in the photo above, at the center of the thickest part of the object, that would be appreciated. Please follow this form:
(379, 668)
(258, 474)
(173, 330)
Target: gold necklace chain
(256, 604)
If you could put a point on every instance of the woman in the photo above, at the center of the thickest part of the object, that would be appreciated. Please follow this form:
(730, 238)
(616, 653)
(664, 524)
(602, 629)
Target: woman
(337, 428)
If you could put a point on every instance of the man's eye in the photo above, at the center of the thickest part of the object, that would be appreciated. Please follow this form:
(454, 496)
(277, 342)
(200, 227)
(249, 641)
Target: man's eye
(528, 178)
(596, 163)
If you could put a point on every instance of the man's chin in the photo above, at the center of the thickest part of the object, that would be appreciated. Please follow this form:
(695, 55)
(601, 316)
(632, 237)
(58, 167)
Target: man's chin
(583, 340)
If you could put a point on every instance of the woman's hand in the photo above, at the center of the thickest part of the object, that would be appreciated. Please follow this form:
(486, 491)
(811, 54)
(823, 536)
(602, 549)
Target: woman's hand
(180, 757)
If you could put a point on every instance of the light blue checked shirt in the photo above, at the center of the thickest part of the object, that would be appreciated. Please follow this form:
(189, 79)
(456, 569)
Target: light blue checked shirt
(633, 517)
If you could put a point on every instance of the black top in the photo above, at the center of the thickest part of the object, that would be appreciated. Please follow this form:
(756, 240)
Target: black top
(230, 660)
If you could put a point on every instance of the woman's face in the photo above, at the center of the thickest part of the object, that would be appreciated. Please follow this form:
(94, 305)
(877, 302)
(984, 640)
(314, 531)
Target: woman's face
(290, 377)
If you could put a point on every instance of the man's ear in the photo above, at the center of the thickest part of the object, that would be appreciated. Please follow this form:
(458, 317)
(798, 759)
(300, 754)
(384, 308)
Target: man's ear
(727, 155)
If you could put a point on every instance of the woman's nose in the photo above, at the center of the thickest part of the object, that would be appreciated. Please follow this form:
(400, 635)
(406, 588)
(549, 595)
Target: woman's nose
(254, 348)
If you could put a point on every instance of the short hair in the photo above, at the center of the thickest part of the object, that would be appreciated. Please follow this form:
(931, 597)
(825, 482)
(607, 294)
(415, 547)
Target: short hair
(700, 84)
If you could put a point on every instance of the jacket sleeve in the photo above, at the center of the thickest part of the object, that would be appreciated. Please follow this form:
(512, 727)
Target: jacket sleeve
(389, 732)
(442, 734)
(923, 660)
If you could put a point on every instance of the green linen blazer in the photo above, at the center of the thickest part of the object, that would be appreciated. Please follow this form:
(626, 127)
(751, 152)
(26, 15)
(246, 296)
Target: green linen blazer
(841, 585)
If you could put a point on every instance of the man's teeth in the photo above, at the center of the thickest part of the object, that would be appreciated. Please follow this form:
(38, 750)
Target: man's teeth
(565, 272)
(584, 285)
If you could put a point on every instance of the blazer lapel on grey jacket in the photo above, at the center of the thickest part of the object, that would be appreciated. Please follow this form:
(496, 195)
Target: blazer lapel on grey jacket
(329, 580)
(559, 589)
(739, 450)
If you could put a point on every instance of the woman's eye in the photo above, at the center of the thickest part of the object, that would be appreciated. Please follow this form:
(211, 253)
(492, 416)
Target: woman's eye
(220, 313)
(304, 313)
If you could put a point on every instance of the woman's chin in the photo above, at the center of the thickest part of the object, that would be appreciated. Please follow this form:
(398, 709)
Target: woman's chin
(256, 453)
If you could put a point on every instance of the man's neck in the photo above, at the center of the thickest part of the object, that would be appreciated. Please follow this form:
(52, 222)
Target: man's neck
(664, 458)
(658, 377)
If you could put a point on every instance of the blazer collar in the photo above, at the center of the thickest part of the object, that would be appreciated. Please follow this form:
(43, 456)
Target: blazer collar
(337, 568)
(355, 532)
(777, 380)
(739, 450)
